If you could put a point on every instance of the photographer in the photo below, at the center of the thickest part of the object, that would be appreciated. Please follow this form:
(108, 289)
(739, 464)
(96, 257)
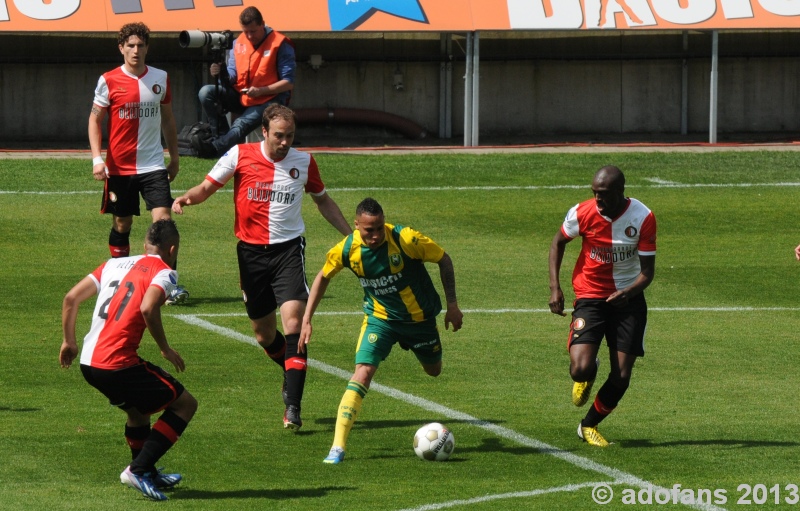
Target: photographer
(261, 69)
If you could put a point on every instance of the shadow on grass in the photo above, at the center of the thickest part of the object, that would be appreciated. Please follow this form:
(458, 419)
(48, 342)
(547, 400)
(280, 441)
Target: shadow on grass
(488, 444)
(10, 409)
(639, 443)
(195, 302)
(498, 445)
(271, 494)
(406, 423)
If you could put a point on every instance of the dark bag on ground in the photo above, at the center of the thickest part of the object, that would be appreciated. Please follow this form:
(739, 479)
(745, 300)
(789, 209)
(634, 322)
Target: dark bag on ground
(200, 132)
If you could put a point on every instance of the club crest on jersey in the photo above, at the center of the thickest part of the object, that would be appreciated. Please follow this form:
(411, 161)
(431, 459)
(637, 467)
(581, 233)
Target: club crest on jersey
(578, 324)
(294, 173)
(394, 259)
(112, 196)
(631, 231)
(372, 338)
(157, 89)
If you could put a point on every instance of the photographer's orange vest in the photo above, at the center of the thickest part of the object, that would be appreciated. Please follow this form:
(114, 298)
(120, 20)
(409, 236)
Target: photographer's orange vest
(257, 67)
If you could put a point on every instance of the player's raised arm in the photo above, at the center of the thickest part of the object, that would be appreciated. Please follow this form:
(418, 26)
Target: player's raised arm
(195, 196)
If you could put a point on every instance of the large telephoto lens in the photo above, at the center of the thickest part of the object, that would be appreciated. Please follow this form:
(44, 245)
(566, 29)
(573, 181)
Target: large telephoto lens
(193, 39)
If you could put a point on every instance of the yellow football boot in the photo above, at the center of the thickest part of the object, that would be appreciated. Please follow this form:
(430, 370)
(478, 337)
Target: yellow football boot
(591, 436)
(581, 391)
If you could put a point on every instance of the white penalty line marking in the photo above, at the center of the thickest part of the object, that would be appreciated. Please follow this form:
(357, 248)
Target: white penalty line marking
(618, 476)
(658, 184)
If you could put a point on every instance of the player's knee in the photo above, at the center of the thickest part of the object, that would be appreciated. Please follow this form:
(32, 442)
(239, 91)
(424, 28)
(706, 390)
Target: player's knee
(186, 405)
(123, 224)
(433, 370)
(583, 371)
(291, 325)
(265, 335)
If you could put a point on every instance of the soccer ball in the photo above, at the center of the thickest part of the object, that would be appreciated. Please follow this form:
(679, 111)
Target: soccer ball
(434, 442)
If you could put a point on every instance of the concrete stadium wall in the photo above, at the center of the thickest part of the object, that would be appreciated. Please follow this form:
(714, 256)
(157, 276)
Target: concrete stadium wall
(531, 84)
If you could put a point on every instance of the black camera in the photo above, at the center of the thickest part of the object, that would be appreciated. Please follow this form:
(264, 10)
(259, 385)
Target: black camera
(198, 39)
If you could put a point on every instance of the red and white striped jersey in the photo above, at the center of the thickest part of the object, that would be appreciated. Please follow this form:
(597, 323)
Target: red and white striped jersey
(134, 119)
(609, 258)
(268, 194)
(117, 322)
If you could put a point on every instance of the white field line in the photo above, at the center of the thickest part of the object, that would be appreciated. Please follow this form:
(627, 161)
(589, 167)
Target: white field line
(524, 311)
(660, 181)
(618, 476)
(502, 496)
(665, 184)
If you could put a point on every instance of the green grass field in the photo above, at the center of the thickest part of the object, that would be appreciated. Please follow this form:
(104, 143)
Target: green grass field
(712, 405)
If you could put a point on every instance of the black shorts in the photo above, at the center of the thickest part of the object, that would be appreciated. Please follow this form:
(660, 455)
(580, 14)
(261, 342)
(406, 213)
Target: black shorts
(121, 193)
(271, 275)
(145, 386)
(623, 327)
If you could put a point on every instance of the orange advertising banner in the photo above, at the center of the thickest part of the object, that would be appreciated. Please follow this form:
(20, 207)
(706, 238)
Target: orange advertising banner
(400, 15)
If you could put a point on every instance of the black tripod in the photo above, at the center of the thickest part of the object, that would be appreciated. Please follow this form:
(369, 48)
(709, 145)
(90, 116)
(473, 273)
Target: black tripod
(218, 57)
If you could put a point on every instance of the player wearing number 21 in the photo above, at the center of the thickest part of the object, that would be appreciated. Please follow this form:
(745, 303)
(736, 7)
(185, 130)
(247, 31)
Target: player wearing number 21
(130, 292)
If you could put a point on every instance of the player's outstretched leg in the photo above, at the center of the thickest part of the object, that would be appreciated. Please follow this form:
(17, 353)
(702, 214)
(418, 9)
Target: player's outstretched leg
(349, 408)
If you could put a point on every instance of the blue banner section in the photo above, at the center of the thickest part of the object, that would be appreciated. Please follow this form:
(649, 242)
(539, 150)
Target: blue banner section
(349, 14)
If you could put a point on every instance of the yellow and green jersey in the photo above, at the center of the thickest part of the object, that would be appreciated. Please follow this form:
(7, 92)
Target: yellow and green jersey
(397, 286)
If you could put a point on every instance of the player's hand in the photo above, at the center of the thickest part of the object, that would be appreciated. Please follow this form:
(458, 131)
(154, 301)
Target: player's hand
(618, 298)
(100, 172)
(305, 336)
(174, 357)
(68, 353)
(177, 204)
(453, 316)
(797, 252)
(557, 302)
(173, 168)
